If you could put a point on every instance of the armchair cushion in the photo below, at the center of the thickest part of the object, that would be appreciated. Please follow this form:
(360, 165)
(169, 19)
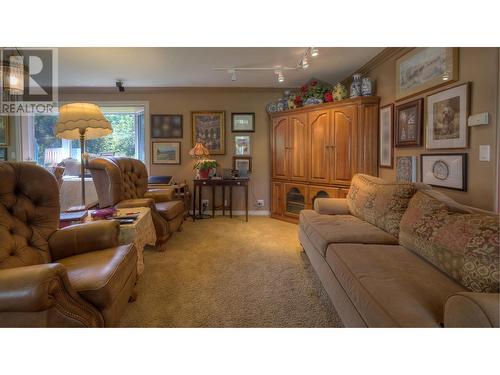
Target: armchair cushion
(469, 309)
(160, 195)
(99, 276)
(138, 202)
(170, 210)
(82, 238)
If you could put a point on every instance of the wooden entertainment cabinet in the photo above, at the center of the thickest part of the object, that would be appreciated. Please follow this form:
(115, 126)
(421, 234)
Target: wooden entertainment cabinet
(316, 150)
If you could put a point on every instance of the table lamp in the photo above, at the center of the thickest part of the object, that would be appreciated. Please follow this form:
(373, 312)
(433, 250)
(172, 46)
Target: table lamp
(82, 121)
(199, 151)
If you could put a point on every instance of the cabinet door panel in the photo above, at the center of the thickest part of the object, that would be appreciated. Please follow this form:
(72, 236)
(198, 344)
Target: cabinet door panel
(319, 122)
(295, 197)
(280, 147)
(343, 120)
(298, 147)
(278, 204)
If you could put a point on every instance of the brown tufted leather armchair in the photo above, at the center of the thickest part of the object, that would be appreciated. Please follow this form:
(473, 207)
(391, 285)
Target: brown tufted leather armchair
(123, 182)
(73, 277)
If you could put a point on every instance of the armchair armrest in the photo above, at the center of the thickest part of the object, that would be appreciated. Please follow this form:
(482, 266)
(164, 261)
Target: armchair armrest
(39, 288)
(474, 310)
(138, 202)
(331, 206)
(83, 238)
(161, 195)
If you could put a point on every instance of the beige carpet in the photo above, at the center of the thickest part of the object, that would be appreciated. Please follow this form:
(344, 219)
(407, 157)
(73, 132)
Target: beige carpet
(228, 273)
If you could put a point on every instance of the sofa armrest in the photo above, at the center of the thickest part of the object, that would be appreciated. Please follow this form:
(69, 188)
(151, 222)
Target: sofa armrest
(44, 287)
(331, 206)
(138, 202)
(475, 310)
(83, 238)
(161, 195)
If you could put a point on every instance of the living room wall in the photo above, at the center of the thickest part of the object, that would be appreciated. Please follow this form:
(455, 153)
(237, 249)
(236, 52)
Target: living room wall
(480, 67)
(183, 101)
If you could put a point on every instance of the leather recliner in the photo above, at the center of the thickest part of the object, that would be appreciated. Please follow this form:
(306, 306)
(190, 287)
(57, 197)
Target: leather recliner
(123, 183)
(78, 276)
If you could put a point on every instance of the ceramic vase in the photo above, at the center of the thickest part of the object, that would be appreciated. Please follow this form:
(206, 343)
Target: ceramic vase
(356, 85)
(366, 87)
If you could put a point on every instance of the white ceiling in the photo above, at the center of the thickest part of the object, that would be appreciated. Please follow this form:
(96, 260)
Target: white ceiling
(193, 67)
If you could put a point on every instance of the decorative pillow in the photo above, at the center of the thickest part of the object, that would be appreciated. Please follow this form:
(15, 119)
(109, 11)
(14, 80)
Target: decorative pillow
(379, 203)
(465, 246)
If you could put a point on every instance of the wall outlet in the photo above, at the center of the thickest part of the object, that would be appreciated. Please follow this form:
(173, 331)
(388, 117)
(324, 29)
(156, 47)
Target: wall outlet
(204, 203)
(225, 202)
(260, 203)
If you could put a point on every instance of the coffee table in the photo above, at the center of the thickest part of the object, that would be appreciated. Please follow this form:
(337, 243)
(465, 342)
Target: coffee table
(141, 232)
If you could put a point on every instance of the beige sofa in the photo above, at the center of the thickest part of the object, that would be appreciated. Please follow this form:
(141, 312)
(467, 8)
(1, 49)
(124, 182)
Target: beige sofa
(403, 255)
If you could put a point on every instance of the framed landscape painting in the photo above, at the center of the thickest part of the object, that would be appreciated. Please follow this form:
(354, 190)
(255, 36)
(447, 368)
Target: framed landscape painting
(406, 169)
(243, 122)
(408, 127)
(4, 130)
(166, 152)
(444, 170)
(209, 128)
(242, 163)
(386, 137)
(447, 113)
(424, 68)
(166, 126)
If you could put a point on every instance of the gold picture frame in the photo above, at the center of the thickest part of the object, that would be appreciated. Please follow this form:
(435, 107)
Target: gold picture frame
(209, 128)
(4, 130)
(425, 68)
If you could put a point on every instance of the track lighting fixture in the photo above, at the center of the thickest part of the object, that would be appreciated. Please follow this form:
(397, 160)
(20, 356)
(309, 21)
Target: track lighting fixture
(305, 63)
(314, 52)
(281, 77)
(233, 74)
(119, 85)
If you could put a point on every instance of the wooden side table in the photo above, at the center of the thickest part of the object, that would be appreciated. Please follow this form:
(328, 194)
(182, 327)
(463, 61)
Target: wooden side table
(213, 183)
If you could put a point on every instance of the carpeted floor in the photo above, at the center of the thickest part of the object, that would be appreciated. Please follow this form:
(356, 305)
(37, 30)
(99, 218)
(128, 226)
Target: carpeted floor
(228, 273)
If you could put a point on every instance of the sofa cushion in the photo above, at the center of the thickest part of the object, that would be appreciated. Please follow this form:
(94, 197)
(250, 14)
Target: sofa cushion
(99, 276)
(323, 230)
(463, 245)
(390, 286)
(170, 210)
(379, 203)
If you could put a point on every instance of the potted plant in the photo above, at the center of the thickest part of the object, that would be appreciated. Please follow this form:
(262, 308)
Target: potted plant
(204, 167)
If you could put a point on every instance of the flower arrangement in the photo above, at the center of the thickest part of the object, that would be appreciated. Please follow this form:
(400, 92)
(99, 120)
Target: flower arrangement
(205, 164)
(313, 90)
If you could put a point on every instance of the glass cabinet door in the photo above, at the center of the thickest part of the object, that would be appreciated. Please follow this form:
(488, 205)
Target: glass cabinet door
(319, 194)
(295, 199)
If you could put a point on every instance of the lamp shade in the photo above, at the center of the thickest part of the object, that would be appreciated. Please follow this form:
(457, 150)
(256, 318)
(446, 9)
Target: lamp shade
(199, 150)
(78, 119)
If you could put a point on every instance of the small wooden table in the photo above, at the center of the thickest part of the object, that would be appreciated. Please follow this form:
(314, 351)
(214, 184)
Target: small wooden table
(213, 183)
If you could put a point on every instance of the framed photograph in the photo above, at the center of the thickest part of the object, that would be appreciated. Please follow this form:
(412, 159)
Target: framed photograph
(242, 145)
(406, 169)
(408, 125)
(166, 126)
(242, 163)
(444, 170)
(4, 130)
(166, 152)
(209, 128)
(425, 68)
(3, 153)
(447, 113)
(386, 136)
(243, 122)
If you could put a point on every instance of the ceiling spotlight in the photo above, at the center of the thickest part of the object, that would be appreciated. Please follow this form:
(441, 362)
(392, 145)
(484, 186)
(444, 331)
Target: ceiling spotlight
(281, 77)
(314, 52)
(305, 63)
(233, 74)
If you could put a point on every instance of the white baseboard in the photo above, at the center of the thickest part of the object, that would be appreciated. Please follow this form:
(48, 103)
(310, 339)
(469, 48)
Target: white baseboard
(237, 213)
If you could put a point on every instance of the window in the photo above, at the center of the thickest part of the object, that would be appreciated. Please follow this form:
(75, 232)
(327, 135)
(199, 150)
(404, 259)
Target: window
(127, 139)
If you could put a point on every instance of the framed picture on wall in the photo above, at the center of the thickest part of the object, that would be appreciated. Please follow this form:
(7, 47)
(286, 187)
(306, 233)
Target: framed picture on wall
(408, 124)
(386, 137)
(3, 153)
(447, 113)
(425, 68)
(444, 170)
(209, 128)
(4, 130)
(242, 163)
(166, 152)
(406, 169)
(242, 145)
(243, 122)
(166, 126)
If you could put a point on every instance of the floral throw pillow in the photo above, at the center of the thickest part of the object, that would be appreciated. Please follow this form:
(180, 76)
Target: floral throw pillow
(380, 204)
(464, 246)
